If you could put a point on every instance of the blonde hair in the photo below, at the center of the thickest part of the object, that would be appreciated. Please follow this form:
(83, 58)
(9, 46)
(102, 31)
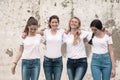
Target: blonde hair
(76, 38)
(77, 34)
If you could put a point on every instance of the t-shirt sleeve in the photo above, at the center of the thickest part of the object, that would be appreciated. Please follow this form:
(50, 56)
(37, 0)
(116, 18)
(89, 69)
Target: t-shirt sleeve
(89, 36)
(63, 35)
(64, 38)
(43, 38)
(110, 40)
(21, 41)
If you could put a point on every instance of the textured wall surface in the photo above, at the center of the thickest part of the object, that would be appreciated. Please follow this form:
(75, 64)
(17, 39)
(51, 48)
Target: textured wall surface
(14, 13)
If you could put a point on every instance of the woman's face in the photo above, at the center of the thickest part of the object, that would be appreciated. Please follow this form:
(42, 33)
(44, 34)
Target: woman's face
(74, 23)
(94, 29)
(32, 29)
(54, 24)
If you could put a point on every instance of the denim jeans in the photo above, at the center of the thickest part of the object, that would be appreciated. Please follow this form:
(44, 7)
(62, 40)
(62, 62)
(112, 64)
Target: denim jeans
(76, 68)
(53, 68)
(30, 69)
(101, 66)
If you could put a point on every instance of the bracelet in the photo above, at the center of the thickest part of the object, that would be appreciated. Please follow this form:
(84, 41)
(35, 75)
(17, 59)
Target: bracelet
(15, 63)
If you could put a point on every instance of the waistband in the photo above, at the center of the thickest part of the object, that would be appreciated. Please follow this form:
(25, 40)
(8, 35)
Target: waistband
(77, 59)
(80, 59)
(30, 59)
(53, 58)
(107, 53)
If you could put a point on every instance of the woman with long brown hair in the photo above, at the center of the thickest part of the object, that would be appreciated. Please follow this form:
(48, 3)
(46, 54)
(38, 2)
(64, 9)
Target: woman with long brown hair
(29, 52)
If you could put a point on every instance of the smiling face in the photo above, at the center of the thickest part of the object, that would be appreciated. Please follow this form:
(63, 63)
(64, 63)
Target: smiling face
(54, 23)
(74, 23)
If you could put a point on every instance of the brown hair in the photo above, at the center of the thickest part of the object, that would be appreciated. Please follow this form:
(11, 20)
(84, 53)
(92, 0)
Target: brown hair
(31, 21)
(53, 17)
(77, 34)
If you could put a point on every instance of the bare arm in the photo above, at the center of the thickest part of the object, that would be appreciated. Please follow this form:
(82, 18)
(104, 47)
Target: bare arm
(14, 64)
(41, 31)
(107, 31)
(112, 60)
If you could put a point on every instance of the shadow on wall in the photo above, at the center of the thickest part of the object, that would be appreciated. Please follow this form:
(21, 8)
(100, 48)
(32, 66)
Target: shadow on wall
(88, 49)
(115, 36)
(116, 43)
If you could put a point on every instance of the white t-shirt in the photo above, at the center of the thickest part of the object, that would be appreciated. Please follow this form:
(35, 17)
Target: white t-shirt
(100, 45)
(31, 47)
(53, 43)
(76, 51)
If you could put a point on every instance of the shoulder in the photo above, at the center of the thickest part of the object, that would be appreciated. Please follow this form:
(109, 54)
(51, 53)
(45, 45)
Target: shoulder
(61, 30)
(84, 32)
(46, 30)
(107, 36)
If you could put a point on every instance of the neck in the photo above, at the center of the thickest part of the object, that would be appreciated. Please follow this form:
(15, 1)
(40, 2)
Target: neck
(53, 30)
(99, 34)
(30, 34)
(73, 31)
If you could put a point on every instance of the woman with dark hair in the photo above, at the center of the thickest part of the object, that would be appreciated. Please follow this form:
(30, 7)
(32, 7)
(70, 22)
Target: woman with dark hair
(29, 52)
(102, 64)
(52, 63)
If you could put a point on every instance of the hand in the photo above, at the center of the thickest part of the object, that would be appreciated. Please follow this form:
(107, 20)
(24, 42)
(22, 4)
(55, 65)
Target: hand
(113, 73)
(24, 35)
(13, 68)
(107, 31)
(66, 31)
(43, 29)
(79, 31)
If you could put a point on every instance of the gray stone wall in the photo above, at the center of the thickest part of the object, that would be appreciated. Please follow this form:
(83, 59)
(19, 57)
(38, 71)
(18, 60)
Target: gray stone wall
(14, 14)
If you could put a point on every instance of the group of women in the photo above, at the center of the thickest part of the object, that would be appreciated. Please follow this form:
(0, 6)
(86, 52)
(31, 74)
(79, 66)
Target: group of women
(102, 64)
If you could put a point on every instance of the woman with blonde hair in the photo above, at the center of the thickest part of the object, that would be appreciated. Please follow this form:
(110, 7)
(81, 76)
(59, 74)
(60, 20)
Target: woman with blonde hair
(76, 54)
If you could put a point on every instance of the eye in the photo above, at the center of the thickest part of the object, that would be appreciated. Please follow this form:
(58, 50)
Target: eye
(33, 29)
(94, 29)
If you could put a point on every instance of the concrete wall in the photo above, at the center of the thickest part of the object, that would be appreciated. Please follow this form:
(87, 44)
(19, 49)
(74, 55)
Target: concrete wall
(14, 14)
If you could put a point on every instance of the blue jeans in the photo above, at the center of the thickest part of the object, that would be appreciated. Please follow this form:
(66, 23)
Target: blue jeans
(101, 66)
(30, 69)
(53, 68)
(76, 68)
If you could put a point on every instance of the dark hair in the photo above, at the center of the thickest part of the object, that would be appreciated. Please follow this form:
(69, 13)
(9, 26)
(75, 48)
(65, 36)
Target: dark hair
(53, 17)
(31, 21)
(90, 42)
(96, 23)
